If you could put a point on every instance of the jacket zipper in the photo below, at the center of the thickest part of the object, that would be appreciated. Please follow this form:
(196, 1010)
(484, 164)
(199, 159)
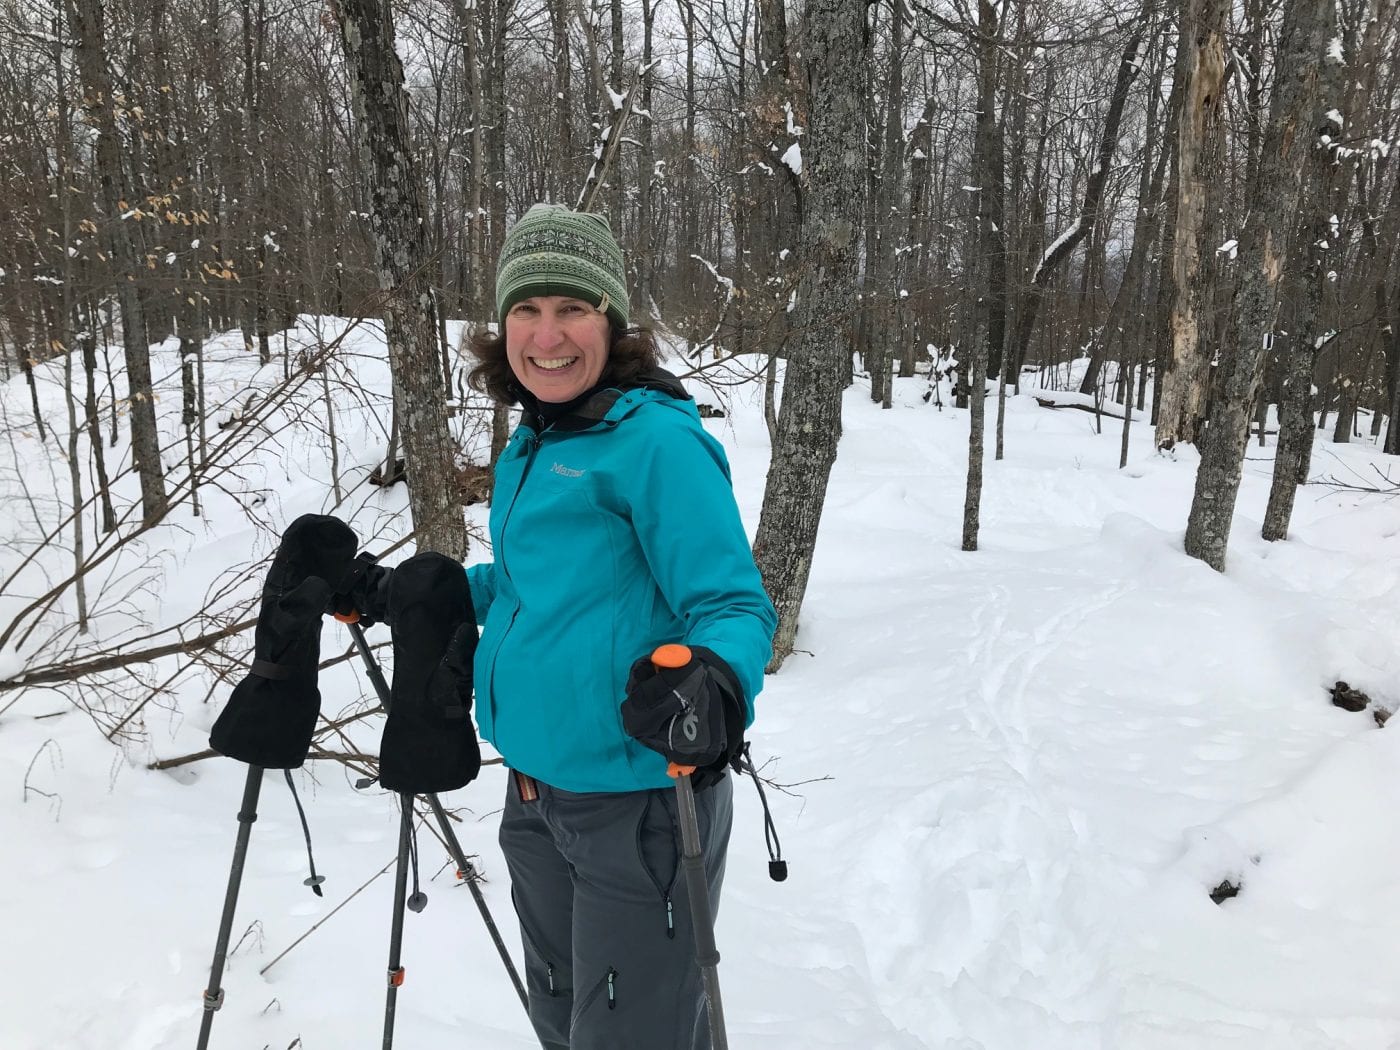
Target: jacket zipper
(533, 444)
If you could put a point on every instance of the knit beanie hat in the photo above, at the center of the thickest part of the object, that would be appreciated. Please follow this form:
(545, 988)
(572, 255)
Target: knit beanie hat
(553, 250)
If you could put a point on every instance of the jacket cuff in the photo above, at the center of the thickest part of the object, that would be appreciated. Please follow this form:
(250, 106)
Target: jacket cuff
(722, 673)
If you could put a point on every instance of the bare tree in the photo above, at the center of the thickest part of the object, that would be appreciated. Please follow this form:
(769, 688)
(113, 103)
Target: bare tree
(1199, 162)
(397, 225)
(809, 426)
(1263, 252)
(86, 18)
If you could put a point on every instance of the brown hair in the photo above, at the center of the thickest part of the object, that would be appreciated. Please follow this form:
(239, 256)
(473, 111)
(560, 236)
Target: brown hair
(631, 352)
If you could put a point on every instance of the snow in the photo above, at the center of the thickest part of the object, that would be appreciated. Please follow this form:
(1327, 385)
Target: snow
(792, 127)
(1334, 50)
(1230, 248)
(1017, 773)
(792, 157)
(1070, 231)
(1335, 118)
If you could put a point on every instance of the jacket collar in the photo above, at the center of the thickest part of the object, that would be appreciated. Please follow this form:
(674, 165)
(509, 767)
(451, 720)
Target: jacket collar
(610, 404)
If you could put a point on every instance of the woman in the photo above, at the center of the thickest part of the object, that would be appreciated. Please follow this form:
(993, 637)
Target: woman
(615, 531)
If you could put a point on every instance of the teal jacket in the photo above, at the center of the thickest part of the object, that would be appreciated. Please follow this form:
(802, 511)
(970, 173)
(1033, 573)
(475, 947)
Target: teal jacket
(614, 531)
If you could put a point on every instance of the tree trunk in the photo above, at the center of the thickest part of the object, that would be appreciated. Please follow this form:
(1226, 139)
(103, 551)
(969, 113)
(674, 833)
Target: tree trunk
(915, 333)
(86, 18)
(1325, 195)
(617, 184)
(1200, 165)
(883, 281)
(644, 259)
(498, 114)
(1063, 246)
(775, 201)
(477, 307)
(809, 424)
(563, 100)
(398, 230)
(63, 326)
(1130, 288)
(1263, 251)
(1392, 432)
(689, 211)
(987, 279)
(87, 344)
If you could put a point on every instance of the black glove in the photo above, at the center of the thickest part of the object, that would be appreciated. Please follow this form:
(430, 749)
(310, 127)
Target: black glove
(429, 742)
(692, 715)
(269, 719)
(362, 594)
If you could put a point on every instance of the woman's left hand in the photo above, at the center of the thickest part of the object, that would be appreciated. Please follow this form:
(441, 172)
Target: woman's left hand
(692, 714)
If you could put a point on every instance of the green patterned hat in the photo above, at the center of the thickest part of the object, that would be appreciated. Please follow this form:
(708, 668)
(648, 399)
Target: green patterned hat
(553, 250)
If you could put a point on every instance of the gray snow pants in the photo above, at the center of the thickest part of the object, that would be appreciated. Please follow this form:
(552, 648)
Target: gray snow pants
(605, 917)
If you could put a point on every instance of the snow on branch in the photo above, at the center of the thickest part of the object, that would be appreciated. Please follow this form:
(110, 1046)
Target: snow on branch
(1057, 248)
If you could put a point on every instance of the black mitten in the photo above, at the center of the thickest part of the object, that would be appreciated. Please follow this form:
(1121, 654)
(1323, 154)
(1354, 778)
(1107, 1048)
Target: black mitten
(693, 715)
(269, 719)
(429, 742)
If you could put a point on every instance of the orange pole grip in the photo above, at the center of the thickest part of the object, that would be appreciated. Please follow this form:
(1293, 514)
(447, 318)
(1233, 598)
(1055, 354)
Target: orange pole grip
(672, 656)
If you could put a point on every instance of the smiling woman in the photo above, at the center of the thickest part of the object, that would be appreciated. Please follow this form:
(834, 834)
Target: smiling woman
(614, 531)
(561, 296)
(556, 345)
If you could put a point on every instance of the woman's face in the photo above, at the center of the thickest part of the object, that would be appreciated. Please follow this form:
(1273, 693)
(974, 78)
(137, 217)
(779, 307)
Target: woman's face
(557, 345)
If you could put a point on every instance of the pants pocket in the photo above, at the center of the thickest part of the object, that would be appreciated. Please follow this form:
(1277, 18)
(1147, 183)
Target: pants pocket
(658, 850)
(601, 997)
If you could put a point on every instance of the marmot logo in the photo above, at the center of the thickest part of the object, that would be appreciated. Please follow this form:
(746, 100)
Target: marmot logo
(568, 472)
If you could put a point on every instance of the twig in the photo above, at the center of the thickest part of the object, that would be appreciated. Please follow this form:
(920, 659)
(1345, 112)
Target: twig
(317, 925)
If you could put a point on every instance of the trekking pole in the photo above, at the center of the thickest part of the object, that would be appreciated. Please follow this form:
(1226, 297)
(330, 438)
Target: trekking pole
(396, 971)
(247, 813)
(702, 916)
(465, 871)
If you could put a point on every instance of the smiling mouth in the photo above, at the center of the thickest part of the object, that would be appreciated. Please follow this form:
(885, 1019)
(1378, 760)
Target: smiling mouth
(552, 364)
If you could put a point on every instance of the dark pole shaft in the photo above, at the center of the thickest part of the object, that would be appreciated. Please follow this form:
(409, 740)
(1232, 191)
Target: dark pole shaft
(247, 813)
(376, 676)
(459, 857)
(702, 916)
(396, 929)
(468, 875)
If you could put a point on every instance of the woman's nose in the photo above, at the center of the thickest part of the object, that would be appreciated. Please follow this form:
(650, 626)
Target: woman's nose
(548, 332)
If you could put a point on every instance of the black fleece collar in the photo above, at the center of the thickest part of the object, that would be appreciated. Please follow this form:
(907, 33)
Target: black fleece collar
(592, 406)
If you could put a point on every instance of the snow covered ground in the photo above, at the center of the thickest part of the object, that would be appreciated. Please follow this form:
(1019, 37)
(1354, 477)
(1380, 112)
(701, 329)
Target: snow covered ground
(1022, 770)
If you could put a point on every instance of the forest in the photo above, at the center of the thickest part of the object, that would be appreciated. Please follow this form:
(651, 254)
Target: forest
(1056, 349)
